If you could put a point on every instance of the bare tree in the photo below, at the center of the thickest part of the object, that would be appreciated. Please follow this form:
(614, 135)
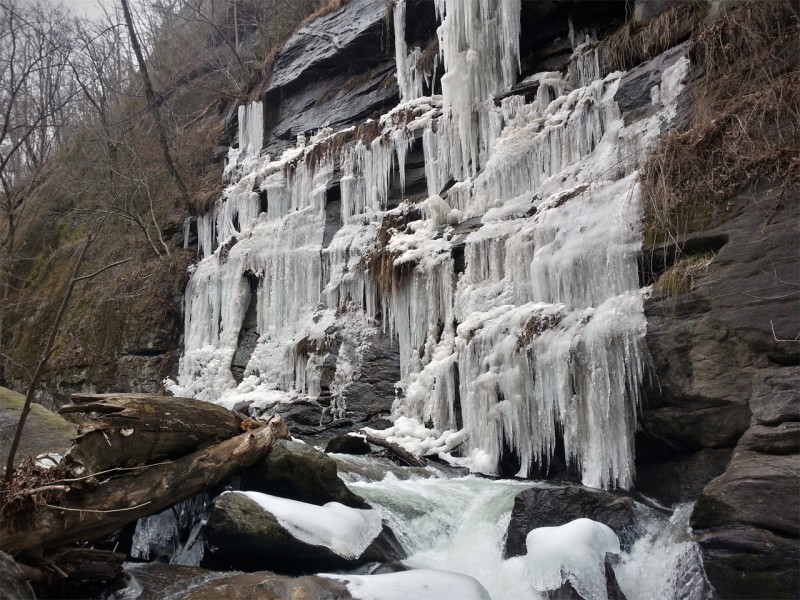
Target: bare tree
(151, 99)
(35, 96)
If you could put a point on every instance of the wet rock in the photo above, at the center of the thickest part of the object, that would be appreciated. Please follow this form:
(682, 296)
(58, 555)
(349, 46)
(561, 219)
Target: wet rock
(241, 535)
(13, 584)
(160, 581)
(371, 395)
(552, 507)
(300, 472)
(44, 431)
(348, 444)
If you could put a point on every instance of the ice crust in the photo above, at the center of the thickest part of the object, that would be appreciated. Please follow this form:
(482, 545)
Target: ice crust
(420, 584)
(543, 330)
(574, 553)
(347, 531)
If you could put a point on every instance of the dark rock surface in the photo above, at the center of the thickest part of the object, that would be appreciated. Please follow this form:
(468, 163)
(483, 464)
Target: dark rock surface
(714, 347)
(371, 394)
(299, 472)
(241, 535)
(727, 380)
(348, 444)
(552, 507)
(681, 479)
(158, 581)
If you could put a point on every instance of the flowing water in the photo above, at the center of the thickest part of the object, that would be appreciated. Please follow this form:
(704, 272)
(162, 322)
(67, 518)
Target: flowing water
(459, 523)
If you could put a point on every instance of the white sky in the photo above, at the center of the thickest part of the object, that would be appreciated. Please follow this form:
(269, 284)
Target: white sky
(89, 8)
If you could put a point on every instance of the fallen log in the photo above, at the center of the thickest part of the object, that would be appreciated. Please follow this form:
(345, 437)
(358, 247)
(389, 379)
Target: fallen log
(126, 430)
(83, 515)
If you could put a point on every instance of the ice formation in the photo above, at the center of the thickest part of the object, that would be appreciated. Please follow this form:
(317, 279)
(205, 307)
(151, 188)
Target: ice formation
(574, 553)
(347, 531)
(421, 584)
(537, 336)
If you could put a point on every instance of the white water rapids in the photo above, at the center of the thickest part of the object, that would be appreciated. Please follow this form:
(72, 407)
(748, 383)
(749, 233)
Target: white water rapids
(459, 524)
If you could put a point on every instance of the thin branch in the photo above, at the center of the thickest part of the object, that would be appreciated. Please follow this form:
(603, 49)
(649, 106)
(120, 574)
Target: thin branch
(96, 273)
(87, 510)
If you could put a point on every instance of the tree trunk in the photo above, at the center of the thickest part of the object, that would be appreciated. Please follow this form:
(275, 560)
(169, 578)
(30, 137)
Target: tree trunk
(84, 516)
(129, 430)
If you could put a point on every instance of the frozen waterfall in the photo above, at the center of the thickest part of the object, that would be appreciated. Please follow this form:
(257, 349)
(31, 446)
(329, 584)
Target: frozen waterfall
(538, 339)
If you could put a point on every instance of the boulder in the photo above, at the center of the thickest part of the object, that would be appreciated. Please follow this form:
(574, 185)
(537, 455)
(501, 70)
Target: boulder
(757, 489)
(157, 581)
(300, 472)
(44, 431)
(348, 444)
(552, 507)
(240, 534)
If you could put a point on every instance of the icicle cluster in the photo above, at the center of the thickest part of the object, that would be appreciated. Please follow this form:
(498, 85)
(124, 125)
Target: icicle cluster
(541, 333)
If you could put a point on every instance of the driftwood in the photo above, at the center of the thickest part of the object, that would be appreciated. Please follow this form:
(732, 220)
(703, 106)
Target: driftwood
(404, 456)
(87, 515)
(126, 430)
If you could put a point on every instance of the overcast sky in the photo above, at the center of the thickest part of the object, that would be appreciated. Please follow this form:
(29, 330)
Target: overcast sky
(88, 8)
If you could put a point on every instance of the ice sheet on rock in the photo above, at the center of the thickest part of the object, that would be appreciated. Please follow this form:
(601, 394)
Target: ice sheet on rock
(347, 531)
(574, 553)
(420, 584)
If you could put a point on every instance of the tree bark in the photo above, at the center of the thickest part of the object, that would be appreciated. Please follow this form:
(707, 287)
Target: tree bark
(129, 430)
(84, 516)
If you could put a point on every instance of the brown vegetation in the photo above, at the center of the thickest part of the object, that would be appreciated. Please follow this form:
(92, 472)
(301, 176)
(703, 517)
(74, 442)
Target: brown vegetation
(636, 42)
(744, 123)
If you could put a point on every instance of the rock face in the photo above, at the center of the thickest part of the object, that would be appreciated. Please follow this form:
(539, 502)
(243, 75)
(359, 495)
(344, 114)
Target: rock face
(44, 431)
(297, 471)
(551, 507)
(727, 384)
(242, 535)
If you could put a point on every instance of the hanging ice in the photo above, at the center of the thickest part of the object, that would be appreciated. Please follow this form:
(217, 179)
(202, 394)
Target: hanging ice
(512, 290)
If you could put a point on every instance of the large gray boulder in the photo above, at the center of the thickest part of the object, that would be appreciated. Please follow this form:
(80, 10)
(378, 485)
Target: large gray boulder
(240, 534)
(44, 431)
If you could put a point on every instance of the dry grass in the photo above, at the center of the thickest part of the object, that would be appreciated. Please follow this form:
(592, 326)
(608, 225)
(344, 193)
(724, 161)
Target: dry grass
(324, 9)
(680, 277)
(634, 43)
(744, 123)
